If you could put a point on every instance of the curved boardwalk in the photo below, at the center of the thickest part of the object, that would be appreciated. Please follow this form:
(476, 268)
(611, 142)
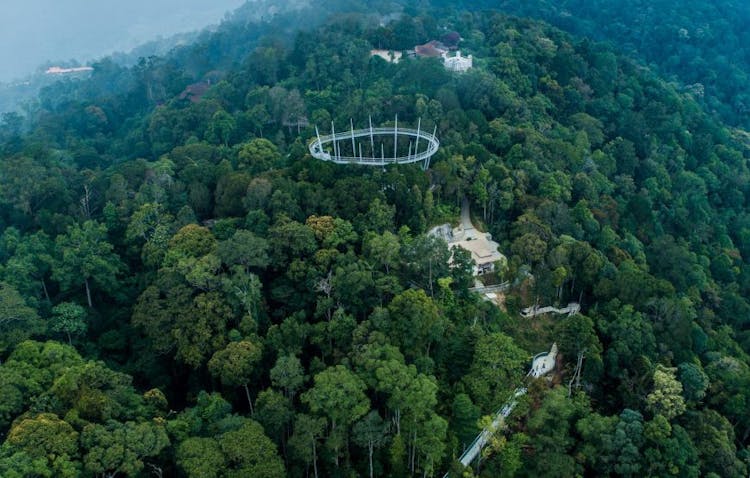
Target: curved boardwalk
(349, 148)
(572, 309)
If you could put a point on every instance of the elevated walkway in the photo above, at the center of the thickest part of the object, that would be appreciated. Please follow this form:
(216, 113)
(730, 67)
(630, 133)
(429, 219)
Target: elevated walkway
(529, 312)
(541, 365)
(348, 147)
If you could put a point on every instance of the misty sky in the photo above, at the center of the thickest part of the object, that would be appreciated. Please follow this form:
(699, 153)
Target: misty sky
(35, 31)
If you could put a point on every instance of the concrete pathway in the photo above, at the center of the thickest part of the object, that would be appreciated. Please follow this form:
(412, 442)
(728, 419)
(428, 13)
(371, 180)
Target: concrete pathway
(572, 309)
(468, 229)
(542, 364)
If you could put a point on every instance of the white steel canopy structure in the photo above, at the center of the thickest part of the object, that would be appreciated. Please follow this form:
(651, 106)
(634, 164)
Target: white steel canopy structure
(347, 147)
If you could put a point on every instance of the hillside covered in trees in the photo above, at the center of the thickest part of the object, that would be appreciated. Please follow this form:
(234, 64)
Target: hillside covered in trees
(185, 291)
(700, 45)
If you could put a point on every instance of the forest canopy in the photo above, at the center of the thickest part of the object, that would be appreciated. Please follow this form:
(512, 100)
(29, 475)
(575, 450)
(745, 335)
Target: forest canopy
(185, 291)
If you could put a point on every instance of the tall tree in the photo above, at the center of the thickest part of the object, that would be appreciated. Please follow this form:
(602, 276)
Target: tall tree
(18, 321)
(85, 257)
(339, 395)
(666, 398)
(235, 365)
(496, 370)
(304, 442)
(69, 318)
(370, 433)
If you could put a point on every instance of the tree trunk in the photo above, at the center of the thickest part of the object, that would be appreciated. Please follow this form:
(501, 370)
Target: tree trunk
(70, 342)
(249, 401)
(315, 459)
(370, 448)
(44, 288)
(413, 451)
(88, 293)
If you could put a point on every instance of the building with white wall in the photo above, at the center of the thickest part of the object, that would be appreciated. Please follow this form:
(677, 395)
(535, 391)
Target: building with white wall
(458, 63)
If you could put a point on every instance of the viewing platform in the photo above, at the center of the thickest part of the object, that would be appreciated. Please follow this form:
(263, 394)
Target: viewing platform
(376, 146)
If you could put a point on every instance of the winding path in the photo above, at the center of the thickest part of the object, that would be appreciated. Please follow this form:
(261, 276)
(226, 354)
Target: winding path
(572, 309)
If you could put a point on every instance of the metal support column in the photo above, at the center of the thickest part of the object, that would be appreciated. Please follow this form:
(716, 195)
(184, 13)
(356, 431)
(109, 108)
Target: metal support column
(419, 128)
(372, 140)
(320, 143)
(333, 136)
(395, 139)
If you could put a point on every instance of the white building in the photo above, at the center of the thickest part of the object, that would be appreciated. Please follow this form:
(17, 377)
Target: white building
(458, 63)
(482, 248)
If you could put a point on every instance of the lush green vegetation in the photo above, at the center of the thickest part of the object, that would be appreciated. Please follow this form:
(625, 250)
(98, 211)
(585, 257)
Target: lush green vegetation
(700, 45)
(185, 292)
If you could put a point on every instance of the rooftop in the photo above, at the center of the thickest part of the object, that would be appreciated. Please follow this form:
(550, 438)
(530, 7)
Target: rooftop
(483, 250)
(431, 49)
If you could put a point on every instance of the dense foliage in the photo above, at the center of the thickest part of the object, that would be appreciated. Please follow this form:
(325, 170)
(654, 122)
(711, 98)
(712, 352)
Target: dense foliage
(701, 45)
(184, 291)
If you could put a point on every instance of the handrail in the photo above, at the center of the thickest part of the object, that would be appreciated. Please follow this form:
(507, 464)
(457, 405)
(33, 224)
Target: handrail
(317, 151)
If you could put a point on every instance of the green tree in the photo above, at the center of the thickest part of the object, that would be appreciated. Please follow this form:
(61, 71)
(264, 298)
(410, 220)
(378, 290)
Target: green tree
(628, 441)
(249, 452)
(666, 398)
(46, 436)
(121, 448)
(18, 321)
(84, 257)
(258, 155)
(192, 241)
(235, 365)
(497, 369)
(201, 458)
(415, 322)
(245, 287)
(465, 418)
(339, 395)
(578, 340)
(191, 327)
(596, 448)
(370, 433)
(550, 430)
(221, 127)
(288, 374)
(383, 249)
(694, 381)
(246, 249)
(274, 411)
(29, 267)
(304, 442)
(69, 318)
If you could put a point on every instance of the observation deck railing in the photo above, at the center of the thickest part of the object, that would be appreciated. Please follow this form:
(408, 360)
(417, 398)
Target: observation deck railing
(318, 151)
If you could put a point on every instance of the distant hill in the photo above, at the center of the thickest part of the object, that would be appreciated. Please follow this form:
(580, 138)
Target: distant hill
(702, 45)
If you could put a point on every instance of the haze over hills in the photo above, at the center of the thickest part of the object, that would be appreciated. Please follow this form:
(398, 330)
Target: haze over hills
(190, 287)
(36, 31)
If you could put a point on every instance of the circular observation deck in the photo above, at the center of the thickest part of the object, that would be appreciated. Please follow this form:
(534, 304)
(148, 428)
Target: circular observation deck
(376, 146)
